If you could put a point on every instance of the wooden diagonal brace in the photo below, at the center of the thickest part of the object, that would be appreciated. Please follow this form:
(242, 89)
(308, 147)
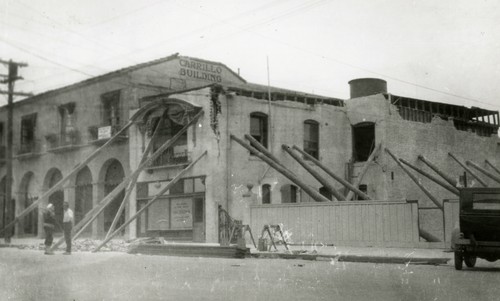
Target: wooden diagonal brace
(422, 187)
(484, 171)
(433, 178)
(468, 170)
(314, 173)
(492, 166)
(363, 171)
(436, 169)
(333, 175)
(278, 167)
(94, 212)
(151, 202)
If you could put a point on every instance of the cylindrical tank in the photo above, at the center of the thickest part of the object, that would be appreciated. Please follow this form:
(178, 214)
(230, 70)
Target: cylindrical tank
(367, 86)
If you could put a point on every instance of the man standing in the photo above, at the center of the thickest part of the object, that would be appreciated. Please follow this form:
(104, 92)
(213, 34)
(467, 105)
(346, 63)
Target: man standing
(67, 225)
(49, 222)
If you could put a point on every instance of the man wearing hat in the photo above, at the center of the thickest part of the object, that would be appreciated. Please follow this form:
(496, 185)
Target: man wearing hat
(67, 226)
(49, 223)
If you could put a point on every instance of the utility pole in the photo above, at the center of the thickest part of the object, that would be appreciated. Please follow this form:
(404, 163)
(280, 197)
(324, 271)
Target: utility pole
(10, 79)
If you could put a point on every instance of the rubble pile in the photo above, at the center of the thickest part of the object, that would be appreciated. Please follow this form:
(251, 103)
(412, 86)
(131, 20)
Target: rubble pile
(87, 245)
(83, 245)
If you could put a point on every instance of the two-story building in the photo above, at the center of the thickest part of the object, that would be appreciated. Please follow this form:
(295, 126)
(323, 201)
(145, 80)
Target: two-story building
(58, 129)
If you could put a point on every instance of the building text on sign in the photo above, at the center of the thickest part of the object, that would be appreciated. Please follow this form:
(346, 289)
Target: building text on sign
(200, 70)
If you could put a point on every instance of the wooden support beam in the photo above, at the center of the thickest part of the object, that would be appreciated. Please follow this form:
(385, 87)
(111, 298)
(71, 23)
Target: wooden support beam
(278, 167)
(133, 181)
(262, 149)
(60, 184)
(422, 187)
(443, 175)
(492, 166)
(441, 183)
(468, 170)
(363, 171)
(314, 173)
(332, 174)
(94, 212)
(484, 171)
(151, 202)
(427, 236)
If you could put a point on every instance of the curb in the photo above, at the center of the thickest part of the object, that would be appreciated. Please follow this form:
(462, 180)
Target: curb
(355, 258)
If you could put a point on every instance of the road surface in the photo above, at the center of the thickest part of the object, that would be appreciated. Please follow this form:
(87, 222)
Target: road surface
(30, 275)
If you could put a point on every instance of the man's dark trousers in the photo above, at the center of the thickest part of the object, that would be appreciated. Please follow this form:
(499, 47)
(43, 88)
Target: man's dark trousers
(67, 235)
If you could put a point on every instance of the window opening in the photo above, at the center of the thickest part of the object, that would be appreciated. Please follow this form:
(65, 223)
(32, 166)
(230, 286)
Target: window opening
(363, 136)
(266, 194)
(311, 138)
(28, 125)
(289, 194)
(258, 127)
(111, 108)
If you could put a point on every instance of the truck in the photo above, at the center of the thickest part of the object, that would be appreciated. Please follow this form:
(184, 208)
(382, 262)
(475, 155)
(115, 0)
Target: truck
(478, 235)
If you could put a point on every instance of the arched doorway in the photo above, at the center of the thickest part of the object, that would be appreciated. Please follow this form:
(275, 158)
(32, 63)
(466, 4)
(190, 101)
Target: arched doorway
(83, 196)
(113, 177)
(28, 195)
(56, 198)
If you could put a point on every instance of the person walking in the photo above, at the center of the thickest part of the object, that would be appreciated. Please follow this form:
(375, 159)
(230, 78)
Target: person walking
(67, 226)
(49, 224)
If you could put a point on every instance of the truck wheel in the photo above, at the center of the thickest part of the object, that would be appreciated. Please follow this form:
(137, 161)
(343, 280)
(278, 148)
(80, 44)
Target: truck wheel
(470, 260)
(458, 259)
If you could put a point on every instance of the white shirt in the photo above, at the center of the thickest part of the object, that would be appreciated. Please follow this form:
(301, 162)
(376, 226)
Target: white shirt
(68, 216)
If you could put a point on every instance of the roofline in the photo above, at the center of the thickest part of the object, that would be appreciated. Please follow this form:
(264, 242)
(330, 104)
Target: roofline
(116, 73)
(472, 108)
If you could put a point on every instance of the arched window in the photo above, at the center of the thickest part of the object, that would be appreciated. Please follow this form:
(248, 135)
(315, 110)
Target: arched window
(311, 138)
(288, 193)
(266, 194)
(258, 127)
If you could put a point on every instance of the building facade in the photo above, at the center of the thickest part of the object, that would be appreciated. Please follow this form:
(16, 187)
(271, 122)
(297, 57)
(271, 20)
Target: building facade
(58, 129)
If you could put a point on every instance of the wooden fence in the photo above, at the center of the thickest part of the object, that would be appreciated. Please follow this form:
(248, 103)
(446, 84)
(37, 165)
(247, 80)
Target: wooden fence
(389, 224)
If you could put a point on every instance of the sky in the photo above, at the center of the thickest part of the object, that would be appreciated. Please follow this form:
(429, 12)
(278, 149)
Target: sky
(444, 51)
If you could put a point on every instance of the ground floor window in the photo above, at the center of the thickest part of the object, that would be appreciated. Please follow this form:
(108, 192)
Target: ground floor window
(178, 215)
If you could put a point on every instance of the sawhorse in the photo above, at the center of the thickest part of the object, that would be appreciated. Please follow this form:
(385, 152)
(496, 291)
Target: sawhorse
(239, 229)
(267, 228)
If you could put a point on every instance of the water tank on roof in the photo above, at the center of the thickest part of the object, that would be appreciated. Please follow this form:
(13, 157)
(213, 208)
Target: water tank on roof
(367, 86)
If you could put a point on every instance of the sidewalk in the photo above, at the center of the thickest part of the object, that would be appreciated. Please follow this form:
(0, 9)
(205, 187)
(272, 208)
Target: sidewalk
(318, 252)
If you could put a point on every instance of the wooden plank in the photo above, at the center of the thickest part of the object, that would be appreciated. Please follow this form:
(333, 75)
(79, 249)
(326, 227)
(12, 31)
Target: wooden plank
(379, 223)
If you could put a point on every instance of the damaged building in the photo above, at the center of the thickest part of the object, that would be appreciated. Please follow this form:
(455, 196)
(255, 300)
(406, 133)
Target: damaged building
(188, 142)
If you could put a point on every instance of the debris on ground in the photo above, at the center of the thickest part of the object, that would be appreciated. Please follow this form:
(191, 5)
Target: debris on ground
(83, 245)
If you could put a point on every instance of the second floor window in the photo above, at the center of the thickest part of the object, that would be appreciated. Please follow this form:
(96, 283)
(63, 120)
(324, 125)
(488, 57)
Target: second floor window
(311, 138)
(111, 108)
(28, 125)
(258, 127)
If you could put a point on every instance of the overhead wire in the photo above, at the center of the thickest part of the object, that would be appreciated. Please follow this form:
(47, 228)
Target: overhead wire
(288, 12)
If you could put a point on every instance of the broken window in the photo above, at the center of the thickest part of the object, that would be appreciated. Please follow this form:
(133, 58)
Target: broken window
(289, 194)
(258, 127)
(311, 138)
(28, 125)
(363, 141)
(266, 194)
(111, 108)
